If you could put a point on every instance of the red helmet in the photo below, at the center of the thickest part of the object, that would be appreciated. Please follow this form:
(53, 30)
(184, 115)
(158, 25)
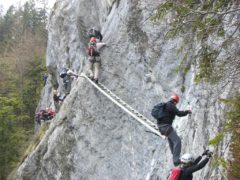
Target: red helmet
(175, 98)
(93, 39)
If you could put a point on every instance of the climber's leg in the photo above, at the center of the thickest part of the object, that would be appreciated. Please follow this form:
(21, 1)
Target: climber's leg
(90, 66)
(97, 68)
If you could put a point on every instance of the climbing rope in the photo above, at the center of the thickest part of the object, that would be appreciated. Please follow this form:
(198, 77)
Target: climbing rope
(123, 105)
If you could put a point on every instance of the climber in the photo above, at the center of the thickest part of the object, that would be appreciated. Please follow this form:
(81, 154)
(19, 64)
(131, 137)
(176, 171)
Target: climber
(41, 116)
(94, 58)
(93, 32)
(38, 117)
(188, 166)
(44, 115)
(50, 113)
(44, 78)
(58, 99)
(67, 76)
(164, 123)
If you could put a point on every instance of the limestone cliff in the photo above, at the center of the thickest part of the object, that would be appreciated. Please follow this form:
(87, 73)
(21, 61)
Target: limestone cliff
(91, 138)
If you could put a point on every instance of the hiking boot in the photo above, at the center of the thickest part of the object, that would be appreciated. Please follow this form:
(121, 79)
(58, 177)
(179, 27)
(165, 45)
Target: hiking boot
(91, 77)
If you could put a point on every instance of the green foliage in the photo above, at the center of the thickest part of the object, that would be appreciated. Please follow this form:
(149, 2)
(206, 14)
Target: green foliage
(234, 114)
(22, 52)
(216, 140)
(220, 162)
(17, 22)
(35, 140)
(231, 126)
(206, 61)
(33, 18)
(216, 53)
(200, 21)
(11, 134)
(234, 164)
(31, 85)
(162, 10)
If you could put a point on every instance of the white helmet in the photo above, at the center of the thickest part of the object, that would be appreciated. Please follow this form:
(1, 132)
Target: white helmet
(187, 158)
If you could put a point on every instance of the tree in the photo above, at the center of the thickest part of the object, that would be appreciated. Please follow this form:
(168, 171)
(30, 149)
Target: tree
(6, 30)
(23, 39)
(31, 91)
(214, 27)
(11, 135)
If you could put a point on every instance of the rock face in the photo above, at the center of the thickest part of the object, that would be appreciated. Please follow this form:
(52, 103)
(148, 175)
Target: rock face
(91, 138)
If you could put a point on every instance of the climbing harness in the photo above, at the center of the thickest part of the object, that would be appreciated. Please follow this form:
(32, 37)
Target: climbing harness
(123, 105)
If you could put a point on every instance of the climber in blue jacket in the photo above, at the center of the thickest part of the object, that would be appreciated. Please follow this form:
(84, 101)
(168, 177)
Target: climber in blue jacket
(166, 129)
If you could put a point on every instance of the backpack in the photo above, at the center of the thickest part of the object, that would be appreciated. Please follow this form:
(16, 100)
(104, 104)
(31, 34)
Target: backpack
(92, 50)
(158, 111)
(175, 173)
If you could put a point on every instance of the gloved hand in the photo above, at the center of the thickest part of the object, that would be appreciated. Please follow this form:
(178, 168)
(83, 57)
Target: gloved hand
(209, 154)
(205, 152)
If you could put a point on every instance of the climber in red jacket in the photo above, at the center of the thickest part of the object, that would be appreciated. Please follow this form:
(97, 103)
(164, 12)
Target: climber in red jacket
(94, 58)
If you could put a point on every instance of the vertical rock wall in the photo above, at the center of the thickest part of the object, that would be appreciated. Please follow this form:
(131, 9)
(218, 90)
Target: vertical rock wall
(91, 138)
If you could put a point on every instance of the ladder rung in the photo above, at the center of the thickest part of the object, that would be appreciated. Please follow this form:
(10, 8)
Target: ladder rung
(115, 99)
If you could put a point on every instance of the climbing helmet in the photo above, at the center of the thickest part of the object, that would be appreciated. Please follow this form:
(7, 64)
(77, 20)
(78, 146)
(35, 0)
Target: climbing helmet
(93, 39)
(187, 158)
(175, 98)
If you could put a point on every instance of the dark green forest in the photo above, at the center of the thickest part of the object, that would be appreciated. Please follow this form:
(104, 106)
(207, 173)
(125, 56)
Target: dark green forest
(23, 39)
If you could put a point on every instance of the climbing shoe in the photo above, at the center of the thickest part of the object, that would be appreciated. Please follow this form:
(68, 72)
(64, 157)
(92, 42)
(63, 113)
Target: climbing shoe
(91, 77)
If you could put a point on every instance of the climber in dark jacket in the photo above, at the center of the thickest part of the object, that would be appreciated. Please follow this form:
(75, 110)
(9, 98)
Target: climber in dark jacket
(93, 32)
(57, 98)
(67, 75)
(165, 127)
(189, 165)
